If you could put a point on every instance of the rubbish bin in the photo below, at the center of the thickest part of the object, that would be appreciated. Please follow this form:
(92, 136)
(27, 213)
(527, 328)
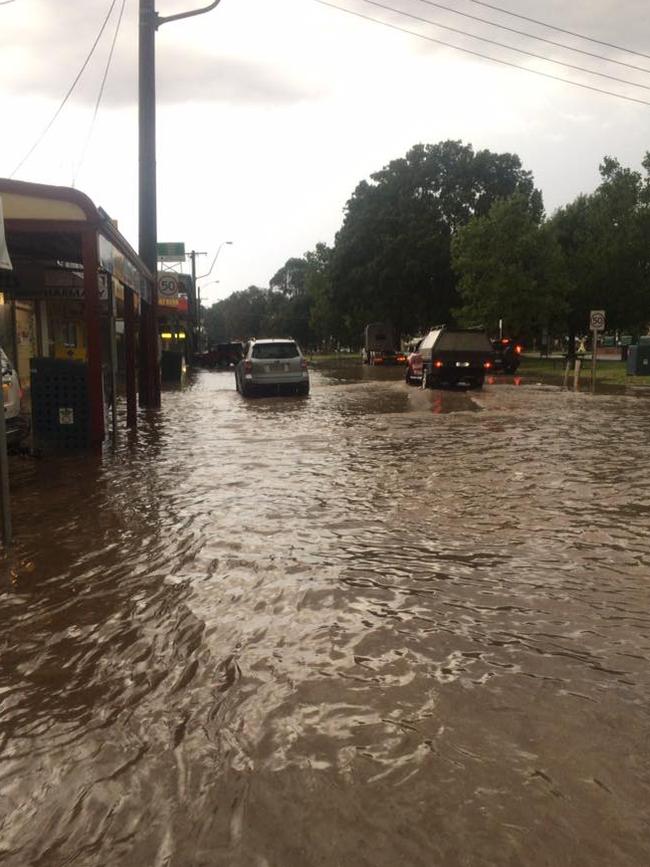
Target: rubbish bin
(171, 366)
(638, 360)
(60, 411)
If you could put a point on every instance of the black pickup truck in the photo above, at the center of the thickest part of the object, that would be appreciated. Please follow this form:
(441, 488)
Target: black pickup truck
(455, 356)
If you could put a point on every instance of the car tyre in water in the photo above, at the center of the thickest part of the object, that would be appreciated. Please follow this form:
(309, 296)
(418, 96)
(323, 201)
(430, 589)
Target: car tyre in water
(477, 383)
(303, 388)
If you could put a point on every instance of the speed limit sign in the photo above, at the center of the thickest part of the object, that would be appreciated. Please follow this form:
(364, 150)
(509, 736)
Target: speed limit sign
(597, 320)
(167, 285)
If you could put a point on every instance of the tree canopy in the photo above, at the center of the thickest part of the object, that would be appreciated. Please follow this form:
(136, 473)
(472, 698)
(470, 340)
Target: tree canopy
(447, 233)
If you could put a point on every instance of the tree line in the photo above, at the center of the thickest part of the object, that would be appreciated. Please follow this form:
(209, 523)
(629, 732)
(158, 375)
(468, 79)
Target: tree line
(451, 235)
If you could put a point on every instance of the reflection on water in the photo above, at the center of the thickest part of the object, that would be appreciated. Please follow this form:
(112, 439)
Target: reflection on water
(375, 626)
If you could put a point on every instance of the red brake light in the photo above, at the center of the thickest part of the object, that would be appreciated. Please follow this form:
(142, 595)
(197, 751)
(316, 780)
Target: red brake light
(437, 363)
(487, 365)
(517, 348)
(505, 340)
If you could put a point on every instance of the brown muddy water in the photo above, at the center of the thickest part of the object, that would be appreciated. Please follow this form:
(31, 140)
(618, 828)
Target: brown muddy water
(375, 626)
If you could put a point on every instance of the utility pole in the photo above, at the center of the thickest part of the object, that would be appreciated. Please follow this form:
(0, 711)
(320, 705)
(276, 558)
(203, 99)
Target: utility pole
(195, 309)
(150, 21)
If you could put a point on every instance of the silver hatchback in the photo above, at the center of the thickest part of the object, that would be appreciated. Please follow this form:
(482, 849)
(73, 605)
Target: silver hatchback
(276, 365)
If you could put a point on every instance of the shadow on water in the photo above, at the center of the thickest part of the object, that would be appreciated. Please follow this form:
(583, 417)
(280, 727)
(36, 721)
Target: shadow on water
(373, 626)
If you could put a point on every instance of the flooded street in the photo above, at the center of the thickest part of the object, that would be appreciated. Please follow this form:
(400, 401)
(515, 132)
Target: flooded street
(372, 627)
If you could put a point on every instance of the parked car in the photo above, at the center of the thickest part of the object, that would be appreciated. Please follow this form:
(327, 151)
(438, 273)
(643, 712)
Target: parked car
(278, 365)
(221, 355)
(414, 361)
(507, 354)
(16, 425)
(453, 356)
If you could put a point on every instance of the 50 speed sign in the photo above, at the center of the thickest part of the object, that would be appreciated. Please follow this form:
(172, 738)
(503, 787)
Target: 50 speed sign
(597, 320)
(167, 285)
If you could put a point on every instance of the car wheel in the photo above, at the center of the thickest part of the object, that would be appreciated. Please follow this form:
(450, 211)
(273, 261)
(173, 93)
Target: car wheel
(478, 382)
(304, 388)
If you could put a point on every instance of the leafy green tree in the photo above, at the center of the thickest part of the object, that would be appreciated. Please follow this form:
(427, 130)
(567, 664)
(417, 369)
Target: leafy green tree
(392, 255)
(606, 242)
(510, 267)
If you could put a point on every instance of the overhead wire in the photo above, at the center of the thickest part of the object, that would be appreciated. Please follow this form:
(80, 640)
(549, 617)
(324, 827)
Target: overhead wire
(100, 94)
(481, 55)
(560, 29)
(533, 36)
(508, 47)
(69, 91)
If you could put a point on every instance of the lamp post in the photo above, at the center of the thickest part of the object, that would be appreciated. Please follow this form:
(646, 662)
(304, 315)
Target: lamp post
(150, 21)
(216, 256)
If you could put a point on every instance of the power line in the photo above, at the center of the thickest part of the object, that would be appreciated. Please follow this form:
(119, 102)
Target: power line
(561, 29)
(507, 47)
(68, 94)
(483, 56)
(100, 94)
(532, 36)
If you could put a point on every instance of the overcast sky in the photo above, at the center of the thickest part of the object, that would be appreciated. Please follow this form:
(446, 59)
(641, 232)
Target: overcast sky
(271, 111)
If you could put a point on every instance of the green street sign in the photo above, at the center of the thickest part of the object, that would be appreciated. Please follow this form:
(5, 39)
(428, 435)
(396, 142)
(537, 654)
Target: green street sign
(171, 251)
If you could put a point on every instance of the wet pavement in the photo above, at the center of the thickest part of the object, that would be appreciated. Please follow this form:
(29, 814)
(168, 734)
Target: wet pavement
(374, 626)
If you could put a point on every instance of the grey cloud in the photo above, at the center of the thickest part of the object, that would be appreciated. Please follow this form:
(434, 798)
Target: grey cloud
(54, 48)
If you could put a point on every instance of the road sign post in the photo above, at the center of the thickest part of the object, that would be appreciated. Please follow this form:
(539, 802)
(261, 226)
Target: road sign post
(597, 324)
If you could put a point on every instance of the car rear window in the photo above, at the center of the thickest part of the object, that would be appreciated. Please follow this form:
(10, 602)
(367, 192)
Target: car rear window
(466, 341)
(276, 350)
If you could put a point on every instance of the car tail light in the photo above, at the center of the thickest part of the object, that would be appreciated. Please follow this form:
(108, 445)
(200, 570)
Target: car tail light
(487, 365)
(437, 363)
(518, 348)
(248, 367)
(505, 341)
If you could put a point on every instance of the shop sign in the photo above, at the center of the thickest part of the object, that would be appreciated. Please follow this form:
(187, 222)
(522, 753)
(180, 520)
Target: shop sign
(63, 285)
(116, 263)
(5, 261)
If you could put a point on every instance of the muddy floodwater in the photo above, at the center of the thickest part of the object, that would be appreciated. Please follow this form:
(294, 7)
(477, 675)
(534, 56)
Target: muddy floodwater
(369, 628)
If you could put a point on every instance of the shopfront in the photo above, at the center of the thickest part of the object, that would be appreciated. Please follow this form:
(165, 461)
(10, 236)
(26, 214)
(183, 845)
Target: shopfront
(72, 304)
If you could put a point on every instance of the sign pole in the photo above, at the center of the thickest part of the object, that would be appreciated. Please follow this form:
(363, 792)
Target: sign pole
(597, 324)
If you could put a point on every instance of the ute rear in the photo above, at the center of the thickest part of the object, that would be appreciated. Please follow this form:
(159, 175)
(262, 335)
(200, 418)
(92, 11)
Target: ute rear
(455, 356)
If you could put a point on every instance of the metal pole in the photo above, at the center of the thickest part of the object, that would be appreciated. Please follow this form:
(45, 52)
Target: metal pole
(90, 261)
(112, 311)
(594, 356)
(193, 309)
(129, 357)
(5, 504)
(149, 366)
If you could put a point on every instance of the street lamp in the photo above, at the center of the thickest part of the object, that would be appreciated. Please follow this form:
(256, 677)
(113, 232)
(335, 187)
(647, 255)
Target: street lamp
(150, 21)
(216, 256)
